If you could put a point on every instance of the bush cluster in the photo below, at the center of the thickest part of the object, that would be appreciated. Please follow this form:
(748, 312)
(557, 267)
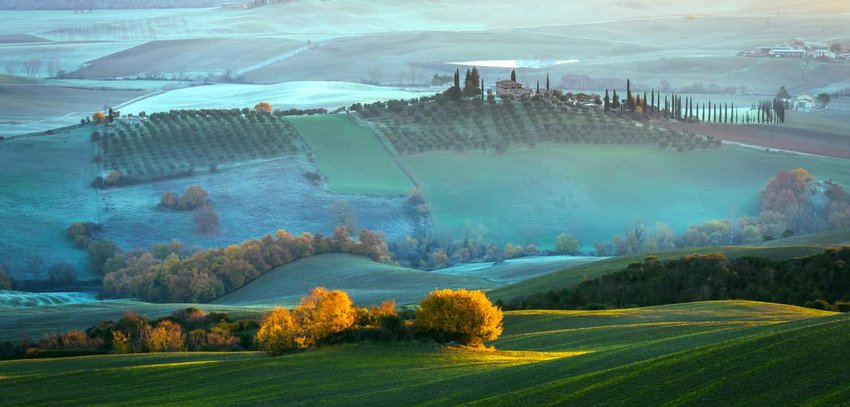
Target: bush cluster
(817, 281)
(168, 274)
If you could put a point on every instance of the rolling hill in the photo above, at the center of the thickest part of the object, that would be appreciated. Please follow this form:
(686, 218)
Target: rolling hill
(713, 353)
(366, 282)
(573, 276)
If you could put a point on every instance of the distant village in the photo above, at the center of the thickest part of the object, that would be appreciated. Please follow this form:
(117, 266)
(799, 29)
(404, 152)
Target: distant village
(800, 49)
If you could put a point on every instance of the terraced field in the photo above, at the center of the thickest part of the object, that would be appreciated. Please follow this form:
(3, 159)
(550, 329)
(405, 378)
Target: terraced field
(715, 353)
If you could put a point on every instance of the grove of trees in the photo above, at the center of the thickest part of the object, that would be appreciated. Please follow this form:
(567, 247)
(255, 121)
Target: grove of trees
(818, 281)
(167, 273)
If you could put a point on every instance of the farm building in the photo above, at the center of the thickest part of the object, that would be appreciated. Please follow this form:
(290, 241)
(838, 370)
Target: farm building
(822, 53)
(511, 89)
(804, 103)
(788, 52)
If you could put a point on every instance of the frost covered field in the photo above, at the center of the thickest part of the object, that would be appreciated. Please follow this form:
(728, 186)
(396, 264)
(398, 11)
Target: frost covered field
(287, 95)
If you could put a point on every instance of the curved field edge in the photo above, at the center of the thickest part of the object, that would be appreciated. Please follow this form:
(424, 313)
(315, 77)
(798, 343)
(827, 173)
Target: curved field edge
(367, 282)
(761, 347)
(571, 277)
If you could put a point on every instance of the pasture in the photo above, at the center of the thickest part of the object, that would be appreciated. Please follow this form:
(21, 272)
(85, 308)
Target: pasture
(365, 281)
(597, 191)
(586, 357)
(350, 156)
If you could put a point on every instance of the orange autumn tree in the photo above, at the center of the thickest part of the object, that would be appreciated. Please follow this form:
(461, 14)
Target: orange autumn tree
(278, 332)
(98, 117)
(166, 337)
(323, 313)
(465, 316)
(320, 315)
(263, 107)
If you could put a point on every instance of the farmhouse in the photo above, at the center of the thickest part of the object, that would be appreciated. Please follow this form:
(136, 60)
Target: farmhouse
(822, 54)
(804, 103)
(788, 52)
(511, 89)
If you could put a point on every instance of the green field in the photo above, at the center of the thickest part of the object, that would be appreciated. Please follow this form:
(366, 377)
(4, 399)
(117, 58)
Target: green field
(713, 353)
(352, 159)
(367, 282)
(594, 192)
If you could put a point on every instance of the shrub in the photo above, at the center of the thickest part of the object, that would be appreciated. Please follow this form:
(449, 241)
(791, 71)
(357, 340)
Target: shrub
(168, 200)
(213, 341)
(278, 332)
(467, 317)
(166, 337)
(121, 342)
(99, 252)
(206, 219)
(194, 197)
(566, 244)
(323, 313)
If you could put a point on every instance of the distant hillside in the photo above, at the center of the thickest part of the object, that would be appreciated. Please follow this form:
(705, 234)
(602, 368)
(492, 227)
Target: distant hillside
(576, 275)
(819, 281)
(367, 282)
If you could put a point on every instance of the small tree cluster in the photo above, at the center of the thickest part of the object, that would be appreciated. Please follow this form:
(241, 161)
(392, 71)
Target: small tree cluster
(168, 275)
(320, 315)
(194, 197)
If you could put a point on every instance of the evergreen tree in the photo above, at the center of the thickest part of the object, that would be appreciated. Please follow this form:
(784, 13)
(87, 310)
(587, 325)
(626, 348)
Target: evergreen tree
(475, 77)
(630, 103)
(482, 89)
(615, 101)
(538, 87)
(547, 82)
(513, 75)
(606, 101)
(652, 100)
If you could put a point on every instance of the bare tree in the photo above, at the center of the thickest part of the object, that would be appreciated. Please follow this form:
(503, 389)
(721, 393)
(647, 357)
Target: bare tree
(32, 67)
(375, 74)
(35, 266)
(53, 68)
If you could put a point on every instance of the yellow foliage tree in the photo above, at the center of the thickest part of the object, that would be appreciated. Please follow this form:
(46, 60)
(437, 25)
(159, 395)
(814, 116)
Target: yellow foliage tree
(461, 315)
(263, 107)
(120, 342)
(98, 117)
(166, 337)
(278, 332)
(323, 313)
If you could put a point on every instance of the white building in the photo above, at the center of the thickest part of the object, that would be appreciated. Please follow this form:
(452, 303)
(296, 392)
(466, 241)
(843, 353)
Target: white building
(804, 103)
(822, 53)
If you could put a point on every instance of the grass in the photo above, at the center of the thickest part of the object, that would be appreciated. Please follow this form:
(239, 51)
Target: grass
(35, 322)
(712, 353)
(352, 159)
(367, 282)
(574, 276)
(594, 192)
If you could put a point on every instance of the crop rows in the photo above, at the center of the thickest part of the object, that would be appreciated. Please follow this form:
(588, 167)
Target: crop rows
(168, 144)
(458, 127)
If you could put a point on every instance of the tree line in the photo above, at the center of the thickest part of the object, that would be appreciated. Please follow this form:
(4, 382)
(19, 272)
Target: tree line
(818, 281)
(684, 108)
(322, 317)
(171, 273)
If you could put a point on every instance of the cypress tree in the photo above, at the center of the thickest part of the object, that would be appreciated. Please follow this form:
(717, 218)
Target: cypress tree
(538, 87)
(513, 75)
(547, 82)
(630, 103)
(652, 100)
(482, 89)
(606, 101)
